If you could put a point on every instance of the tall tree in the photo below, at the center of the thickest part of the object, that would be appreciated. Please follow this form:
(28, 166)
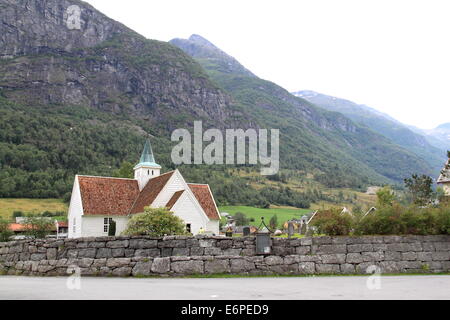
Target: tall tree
(420, 189)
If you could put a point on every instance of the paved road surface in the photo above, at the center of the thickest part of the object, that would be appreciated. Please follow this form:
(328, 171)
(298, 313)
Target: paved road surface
(390, 287)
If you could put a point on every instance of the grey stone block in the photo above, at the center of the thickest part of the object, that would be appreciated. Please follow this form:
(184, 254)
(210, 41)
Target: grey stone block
(180, 252)
(122, 272)
(196, 251)
(437, 256)
(273, 260)
(372, 256)
(87, 253)
(118, 262)
(103, 253)
(217, 266)
(117, 244)
(241, 265)
(337, 248)
(188, 267)
(347, 268)
(161, 265)
(333, 258)
(143, 244)
(118, 253)
(142, 269)
(328, 268)
(354, 258)
(307, 268)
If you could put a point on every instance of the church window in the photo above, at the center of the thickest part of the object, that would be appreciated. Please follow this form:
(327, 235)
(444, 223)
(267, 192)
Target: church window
(188, 227)
(106, 222)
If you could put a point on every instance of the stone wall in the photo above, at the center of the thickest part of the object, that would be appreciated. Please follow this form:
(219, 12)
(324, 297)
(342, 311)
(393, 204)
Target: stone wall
(145, 256)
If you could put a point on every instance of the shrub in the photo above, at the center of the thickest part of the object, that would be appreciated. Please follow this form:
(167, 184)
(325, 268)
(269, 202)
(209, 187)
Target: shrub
(332, 222)
(39, 227)
(5, 233)
(112, 228)
(241, 219)
(398, 220)
(155, 222)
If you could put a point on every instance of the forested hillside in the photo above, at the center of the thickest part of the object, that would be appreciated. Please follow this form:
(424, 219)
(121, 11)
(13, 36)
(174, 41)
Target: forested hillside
(83, 101)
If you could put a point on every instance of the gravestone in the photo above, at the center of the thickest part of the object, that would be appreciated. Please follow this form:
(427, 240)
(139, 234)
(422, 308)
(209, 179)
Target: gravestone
(246, 231)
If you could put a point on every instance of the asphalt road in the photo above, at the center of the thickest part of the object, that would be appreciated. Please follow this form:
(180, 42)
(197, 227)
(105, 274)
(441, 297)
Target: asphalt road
(288, 288)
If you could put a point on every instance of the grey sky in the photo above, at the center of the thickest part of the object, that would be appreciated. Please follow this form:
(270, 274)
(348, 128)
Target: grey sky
(391, 55)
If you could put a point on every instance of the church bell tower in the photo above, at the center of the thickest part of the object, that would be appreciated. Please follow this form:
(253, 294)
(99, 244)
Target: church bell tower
(147, 168)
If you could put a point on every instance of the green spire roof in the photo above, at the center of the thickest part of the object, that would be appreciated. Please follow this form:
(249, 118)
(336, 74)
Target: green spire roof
(147, 158)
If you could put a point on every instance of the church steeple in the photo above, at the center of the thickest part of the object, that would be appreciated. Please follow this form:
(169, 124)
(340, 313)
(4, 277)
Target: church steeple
(147, 168)
(147, 154)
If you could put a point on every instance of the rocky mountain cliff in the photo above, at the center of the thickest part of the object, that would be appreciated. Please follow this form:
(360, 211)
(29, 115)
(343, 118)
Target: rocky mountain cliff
(103, 65)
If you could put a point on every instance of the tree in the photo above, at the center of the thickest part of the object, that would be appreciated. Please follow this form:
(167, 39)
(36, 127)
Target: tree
(112, 228)
(420, 189)
(39, 227)
(125, 171)
(155, 222)
(5, 233)
(385, 197)
(241, 219)
(273, 223)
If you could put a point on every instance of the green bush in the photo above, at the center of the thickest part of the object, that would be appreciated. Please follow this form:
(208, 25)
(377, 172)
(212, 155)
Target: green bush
(398, 220)
(5, 233)
(39, 227)
(332, 222)
(155, 222)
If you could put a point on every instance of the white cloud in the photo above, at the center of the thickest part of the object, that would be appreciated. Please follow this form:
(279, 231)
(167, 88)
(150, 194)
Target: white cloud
(390, 55)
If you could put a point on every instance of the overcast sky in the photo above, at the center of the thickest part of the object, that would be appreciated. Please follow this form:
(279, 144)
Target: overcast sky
(391, 55)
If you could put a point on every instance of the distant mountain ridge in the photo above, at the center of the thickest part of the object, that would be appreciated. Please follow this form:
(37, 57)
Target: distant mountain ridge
(381, 123)
(312, 133)
(211, 56)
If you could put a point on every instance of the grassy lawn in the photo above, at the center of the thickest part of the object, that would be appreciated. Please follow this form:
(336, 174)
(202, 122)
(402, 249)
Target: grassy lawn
(283, 214)
(8, 206)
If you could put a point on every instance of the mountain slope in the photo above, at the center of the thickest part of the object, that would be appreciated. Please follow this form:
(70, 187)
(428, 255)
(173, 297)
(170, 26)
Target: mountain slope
(380, 123)
(342, 150)
(80, 101)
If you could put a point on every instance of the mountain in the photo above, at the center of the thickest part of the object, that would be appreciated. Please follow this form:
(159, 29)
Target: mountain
(439, 136)
(212, 58)
(383, 124)
(82, 100)
(344, 151)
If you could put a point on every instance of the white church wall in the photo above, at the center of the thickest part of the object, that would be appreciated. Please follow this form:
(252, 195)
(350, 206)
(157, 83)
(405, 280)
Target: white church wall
(213, 226)
(173, 185)
(93, 226)
(75, 211)
(186, 209)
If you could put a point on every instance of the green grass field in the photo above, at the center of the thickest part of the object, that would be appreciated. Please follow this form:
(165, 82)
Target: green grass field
(283, 214)
(34, 206)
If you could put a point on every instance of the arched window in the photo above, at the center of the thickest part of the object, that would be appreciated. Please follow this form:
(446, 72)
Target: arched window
(148, 172)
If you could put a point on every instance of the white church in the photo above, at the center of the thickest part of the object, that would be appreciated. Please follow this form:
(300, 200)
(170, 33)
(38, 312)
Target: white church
(98, 200)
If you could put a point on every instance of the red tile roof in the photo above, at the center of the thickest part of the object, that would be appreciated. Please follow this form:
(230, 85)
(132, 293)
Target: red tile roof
(206, 200)
(150, 192)
(17, 227)
(107, 196)
(120, 197)
(63, 224)
(174, 199)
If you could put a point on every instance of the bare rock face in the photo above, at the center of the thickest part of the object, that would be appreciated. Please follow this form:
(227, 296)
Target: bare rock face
(67, 53)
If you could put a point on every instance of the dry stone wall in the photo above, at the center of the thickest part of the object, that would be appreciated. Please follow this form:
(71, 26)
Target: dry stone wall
(177, 256)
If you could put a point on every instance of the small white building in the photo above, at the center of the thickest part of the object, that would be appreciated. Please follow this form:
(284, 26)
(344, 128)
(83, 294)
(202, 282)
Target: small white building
(98, 200)
(444, 178)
